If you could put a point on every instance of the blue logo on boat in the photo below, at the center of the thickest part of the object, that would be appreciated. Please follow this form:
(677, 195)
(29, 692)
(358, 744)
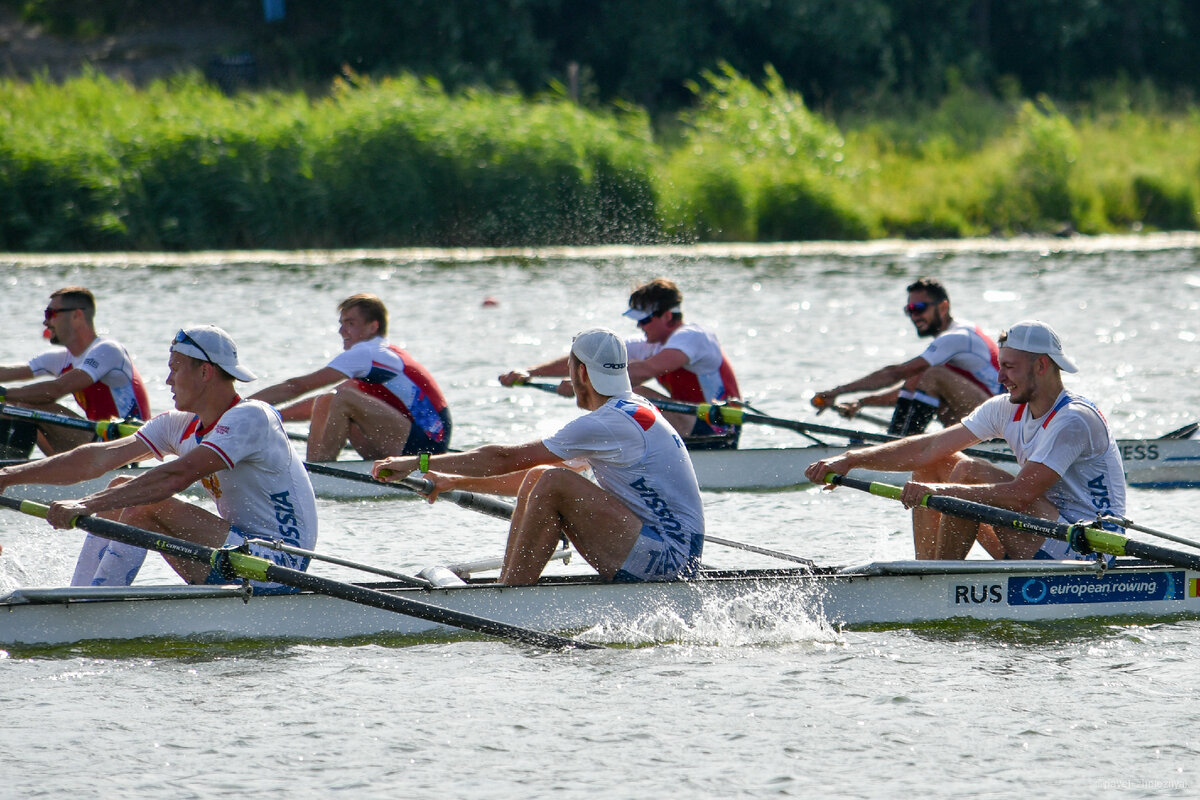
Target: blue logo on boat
(1033, 591)
(1074, 589)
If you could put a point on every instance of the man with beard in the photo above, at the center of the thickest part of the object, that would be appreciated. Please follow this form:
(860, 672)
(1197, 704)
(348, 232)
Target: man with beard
(1069, 466)
(95, 369)
(955, 374)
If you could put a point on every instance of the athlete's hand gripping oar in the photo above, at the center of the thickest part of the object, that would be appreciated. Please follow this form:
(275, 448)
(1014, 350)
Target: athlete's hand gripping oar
(105, 429)
(475, 502)
(232, 563)
(1080, 536)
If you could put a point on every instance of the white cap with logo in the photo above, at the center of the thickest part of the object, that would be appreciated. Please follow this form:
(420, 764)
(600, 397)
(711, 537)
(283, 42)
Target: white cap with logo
(1033, 336)
(210, 343)
(603, 352)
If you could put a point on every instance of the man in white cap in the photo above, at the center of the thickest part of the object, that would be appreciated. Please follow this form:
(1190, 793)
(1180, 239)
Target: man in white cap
(236, 448)
(1070, 468)
(644, 522)
(685, 359)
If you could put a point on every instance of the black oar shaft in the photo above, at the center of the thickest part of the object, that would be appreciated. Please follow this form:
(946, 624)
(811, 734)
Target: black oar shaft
(475, 502)
(251, 567)
(1099, 540)
(105, 429)
(729, 415)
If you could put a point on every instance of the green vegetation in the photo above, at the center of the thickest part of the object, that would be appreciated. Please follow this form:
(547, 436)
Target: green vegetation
(96, 164)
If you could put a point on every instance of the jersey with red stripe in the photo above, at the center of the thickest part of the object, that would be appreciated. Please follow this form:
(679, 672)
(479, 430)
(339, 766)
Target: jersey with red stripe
(116, 389)
(706, 377)
(1073, 439)
(967, 350)
(391, 374)
(638, 457)
(264, 489)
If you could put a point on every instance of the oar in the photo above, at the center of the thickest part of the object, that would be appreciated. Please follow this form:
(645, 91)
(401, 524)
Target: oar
(469, 500)
(498, 508)
(717, 414)
(731, 415)
(751, 548)
(1184, 432)
(408, 580)
(1094, 539)
(232, 563)
(689, 409)
(105, 429)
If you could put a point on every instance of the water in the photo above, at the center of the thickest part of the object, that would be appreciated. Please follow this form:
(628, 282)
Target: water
(725, 708)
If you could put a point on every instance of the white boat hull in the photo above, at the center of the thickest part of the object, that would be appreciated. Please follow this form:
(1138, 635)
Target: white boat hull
(894, 593)
(1149, 464)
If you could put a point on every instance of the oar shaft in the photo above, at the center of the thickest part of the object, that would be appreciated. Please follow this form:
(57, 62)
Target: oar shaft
(275, 544)
(468, 500)
(1099, 540)
(105, 429)
(243, 565)
(763, 551)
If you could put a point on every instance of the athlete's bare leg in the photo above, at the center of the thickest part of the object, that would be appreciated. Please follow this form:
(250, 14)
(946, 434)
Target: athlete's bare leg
(371, 426)
(557, 502)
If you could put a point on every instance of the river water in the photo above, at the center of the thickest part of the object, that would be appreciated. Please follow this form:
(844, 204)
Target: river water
(790, 707)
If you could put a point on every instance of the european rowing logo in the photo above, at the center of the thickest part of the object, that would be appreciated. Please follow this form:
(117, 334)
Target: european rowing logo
(1078, 589)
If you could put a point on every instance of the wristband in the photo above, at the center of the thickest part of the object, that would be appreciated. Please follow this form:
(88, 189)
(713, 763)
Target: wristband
(423, 462)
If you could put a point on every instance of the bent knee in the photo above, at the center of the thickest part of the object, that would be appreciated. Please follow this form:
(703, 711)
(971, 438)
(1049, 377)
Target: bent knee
(973, 470)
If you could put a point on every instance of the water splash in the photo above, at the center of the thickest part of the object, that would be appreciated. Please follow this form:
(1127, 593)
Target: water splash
(766, 615)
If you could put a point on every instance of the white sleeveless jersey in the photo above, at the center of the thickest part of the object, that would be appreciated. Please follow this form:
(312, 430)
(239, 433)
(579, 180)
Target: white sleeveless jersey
(1073, 439)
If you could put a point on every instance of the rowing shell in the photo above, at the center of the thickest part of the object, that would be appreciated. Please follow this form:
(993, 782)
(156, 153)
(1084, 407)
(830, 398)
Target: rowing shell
(1149, 464)
(887, 593)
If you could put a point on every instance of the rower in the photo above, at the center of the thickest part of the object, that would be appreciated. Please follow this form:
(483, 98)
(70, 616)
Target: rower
(955, 374)
(95, 369)
(686, 359)
(643, 522)
(1070, 467)
(385, 403)
(237, 449)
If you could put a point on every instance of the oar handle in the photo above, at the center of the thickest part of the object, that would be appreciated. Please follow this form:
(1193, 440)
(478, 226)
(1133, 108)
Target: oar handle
(1097, 539)
(551, 388)
(107, 429)
(468, 500)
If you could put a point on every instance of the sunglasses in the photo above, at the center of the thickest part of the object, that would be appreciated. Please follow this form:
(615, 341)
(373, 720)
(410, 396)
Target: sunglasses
(183, 338)
(643, 322)
(51, 313)
(916, 308)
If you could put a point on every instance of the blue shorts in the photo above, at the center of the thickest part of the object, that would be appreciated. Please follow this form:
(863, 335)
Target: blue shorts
(419, 440)
(655, 557)
(278, 557)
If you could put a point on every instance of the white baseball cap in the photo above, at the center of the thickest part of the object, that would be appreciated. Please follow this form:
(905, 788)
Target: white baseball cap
(1032, 336)
(604, 354)
(640, 315)
(210, 343)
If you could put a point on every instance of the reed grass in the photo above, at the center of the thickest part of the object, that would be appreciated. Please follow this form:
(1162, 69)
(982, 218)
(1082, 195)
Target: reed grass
(96, 164)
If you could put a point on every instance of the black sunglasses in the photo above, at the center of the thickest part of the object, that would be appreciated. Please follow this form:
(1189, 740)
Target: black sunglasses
(183, 338)
(51, 313)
